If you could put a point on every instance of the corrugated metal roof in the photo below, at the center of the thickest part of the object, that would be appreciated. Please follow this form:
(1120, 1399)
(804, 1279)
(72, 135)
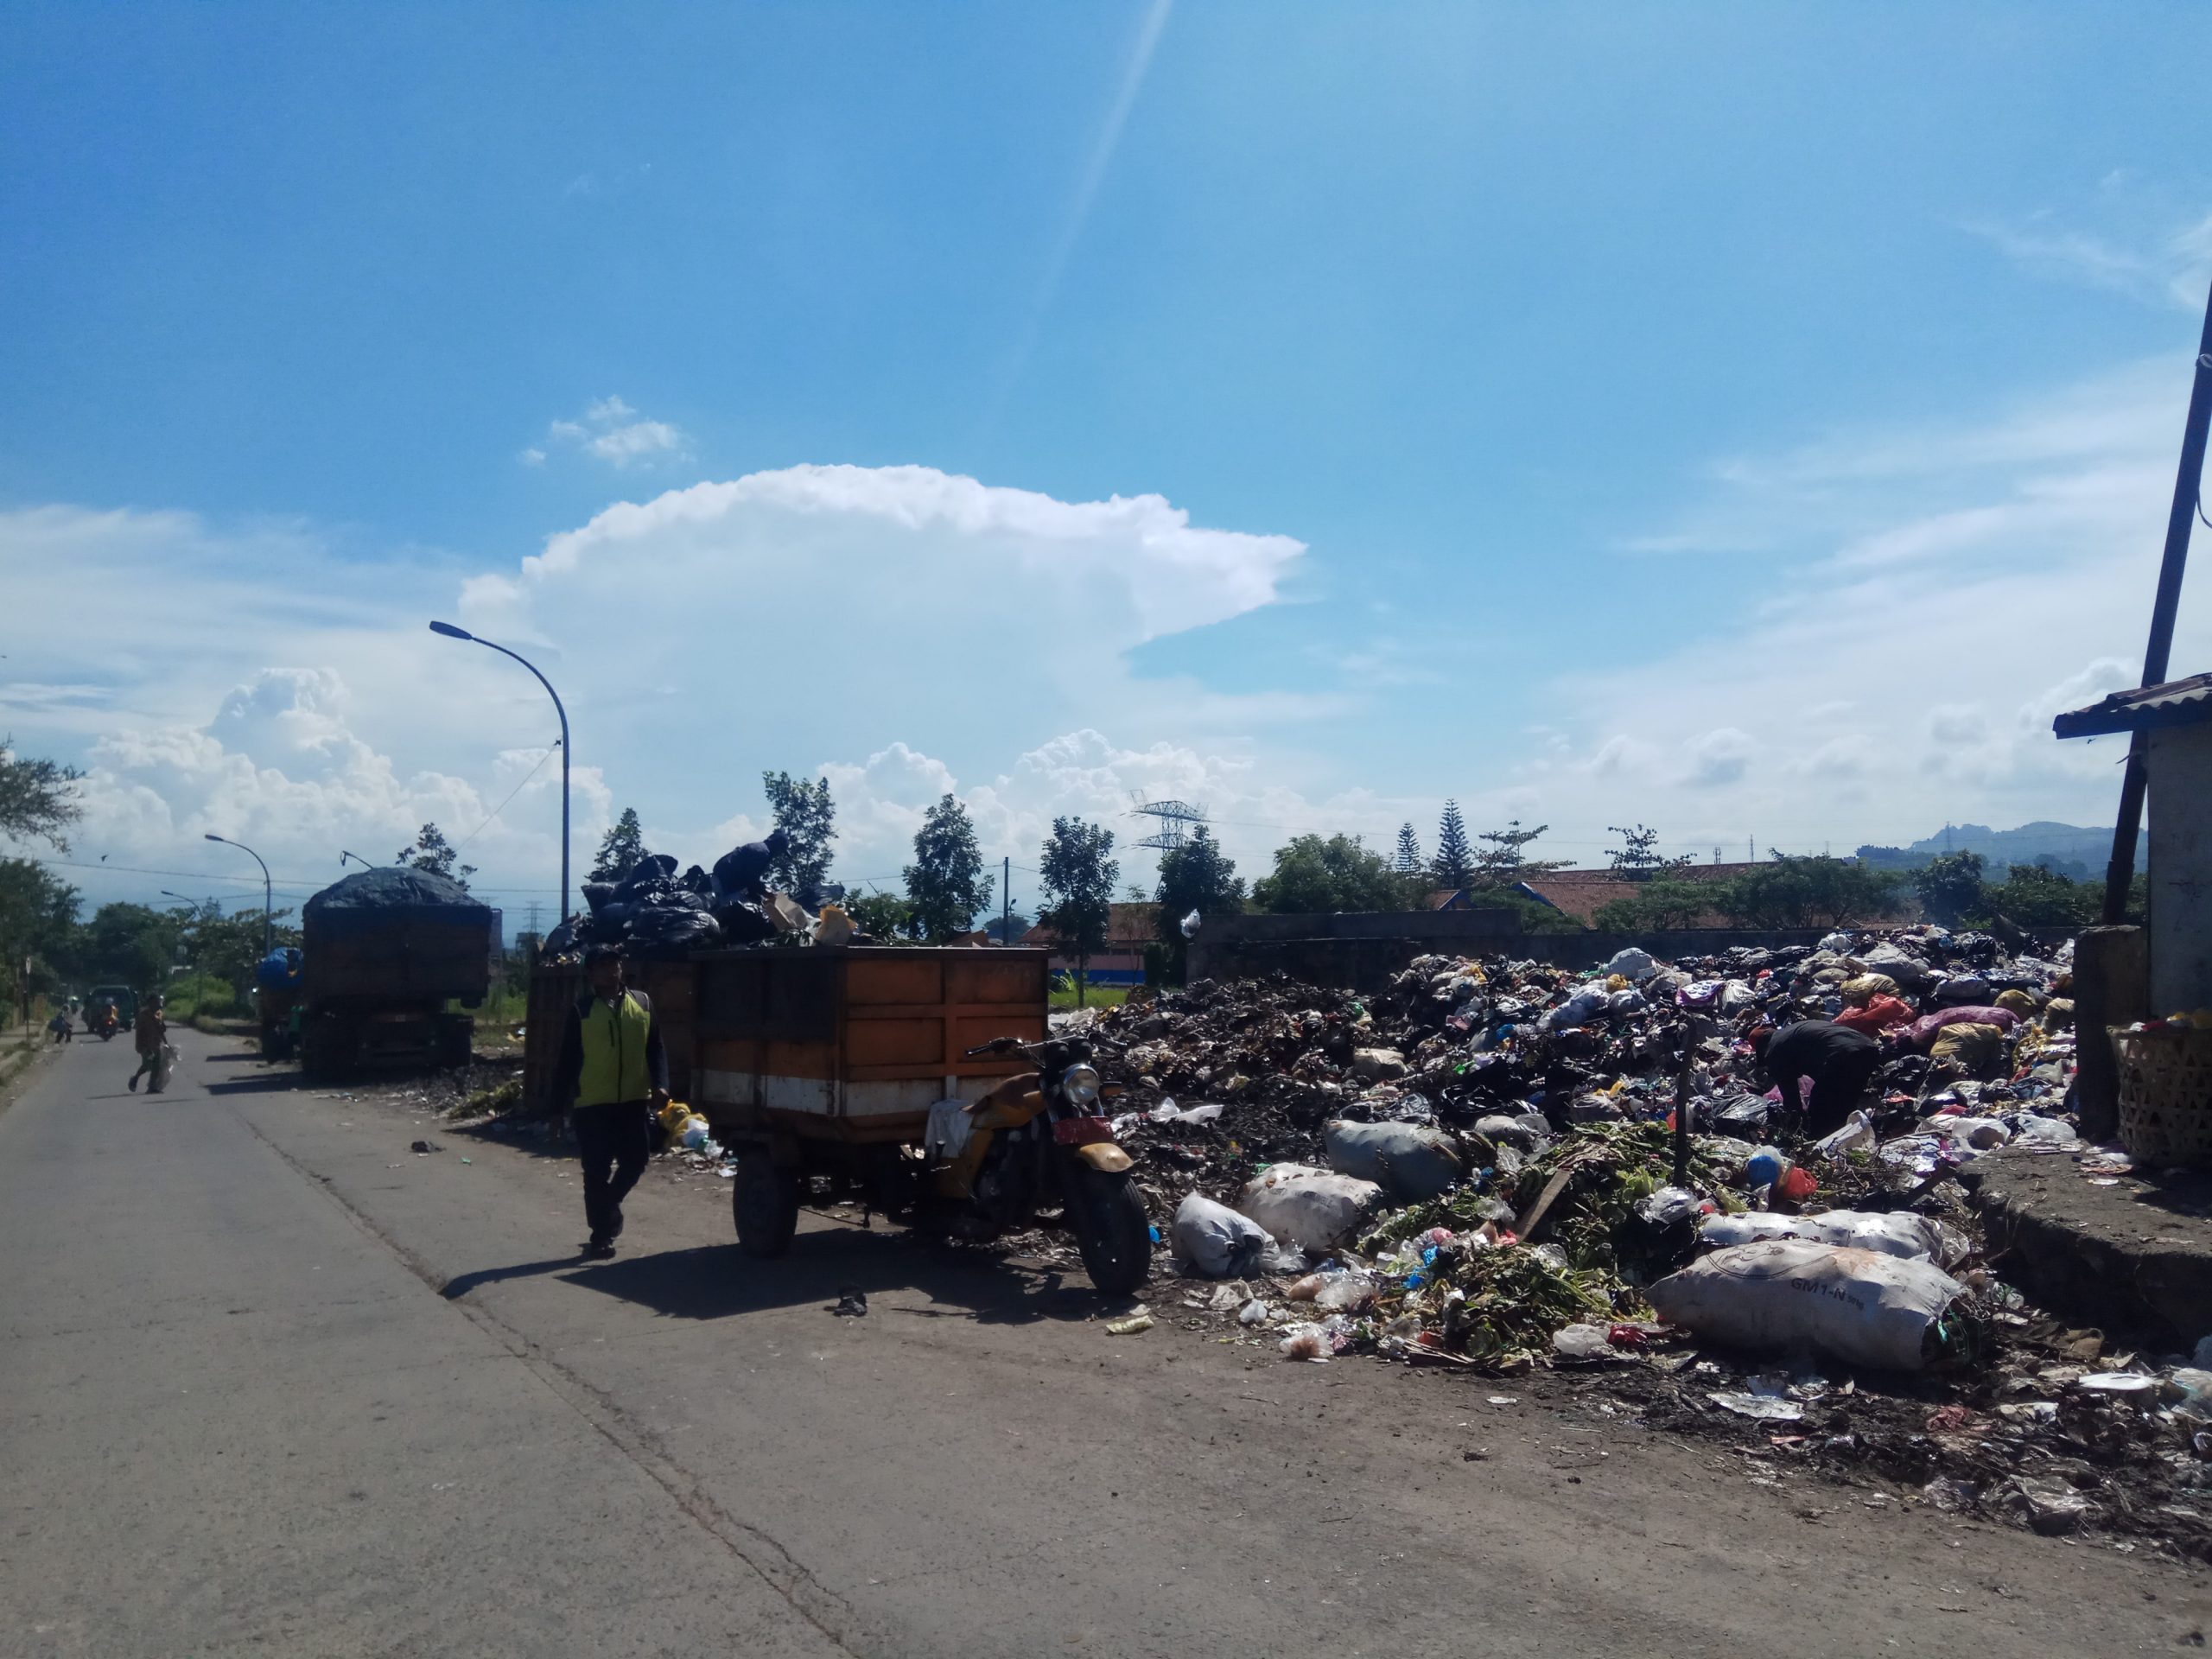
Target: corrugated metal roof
(2177, 702)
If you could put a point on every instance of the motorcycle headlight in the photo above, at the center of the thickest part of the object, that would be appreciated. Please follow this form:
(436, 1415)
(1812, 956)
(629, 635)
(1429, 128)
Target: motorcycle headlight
(1080, 1084)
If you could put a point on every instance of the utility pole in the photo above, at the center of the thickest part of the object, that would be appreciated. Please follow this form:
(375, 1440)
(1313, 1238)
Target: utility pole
(1006, 899)
(2180, 519)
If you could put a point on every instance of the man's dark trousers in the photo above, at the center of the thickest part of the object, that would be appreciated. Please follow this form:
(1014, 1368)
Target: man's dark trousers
(614, 1141)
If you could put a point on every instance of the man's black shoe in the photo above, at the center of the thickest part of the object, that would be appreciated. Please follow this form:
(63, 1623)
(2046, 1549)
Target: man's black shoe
(598, 1250)
(133, 1084)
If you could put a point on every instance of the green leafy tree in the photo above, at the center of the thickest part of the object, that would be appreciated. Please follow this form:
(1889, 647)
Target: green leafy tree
(1657, 907)
(38, 914)
(127, 944)
(1313, 875)
(1454, 863)
(1638, 857)
(882, 915)
(1950, 887)
(1409, 862)
(1198, 875)
(228, 948)
(946, 883)
(620, 848)
(1814, 892)
(434, 853)
(1503, 859)
(1009, 928)
(38, 798)
(805, 812)
(1078, 872)
(2033, 896)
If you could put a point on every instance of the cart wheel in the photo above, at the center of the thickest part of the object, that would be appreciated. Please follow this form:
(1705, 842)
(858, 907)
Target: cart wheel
(764, 1202)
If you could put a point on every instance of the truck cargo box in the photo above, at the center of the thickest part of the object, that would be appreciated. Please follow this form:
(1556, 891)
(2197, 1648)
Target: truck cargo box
(849, 1043)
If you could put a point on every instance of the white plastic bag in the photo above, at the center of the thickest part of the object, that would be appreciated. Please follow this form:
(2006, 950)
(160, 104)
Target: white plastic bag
(1216, 1241)
(1313, 1208)
(1857, 1131)
(1915, 1238)
(1629, 963)
(1863, 1308)
(1408, 1161)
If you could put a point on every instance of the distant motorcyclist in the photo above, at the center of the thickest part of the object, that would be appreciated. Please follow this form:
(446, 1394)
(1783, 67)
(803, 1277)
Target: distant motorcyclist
(151, 1031)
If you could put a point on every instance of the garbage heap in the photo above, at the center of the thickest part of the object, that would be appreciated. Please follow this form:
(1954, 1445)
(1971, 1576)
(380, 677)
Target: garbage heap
(1478, 1169)
(654, 912)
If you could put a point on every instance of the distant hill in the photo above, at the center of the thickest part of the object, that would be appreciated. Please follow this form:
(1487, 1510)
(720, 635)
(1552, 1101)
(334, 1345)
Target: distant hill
(2067, 848)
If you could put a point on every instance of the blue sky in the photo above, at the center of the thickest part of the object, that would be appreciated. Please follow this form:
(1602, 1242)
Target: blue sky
(1743, 419)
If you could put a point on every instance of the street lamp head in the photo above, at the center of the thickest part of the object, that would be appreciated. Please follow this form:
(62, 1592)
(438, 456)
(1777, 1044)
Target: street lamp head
(451, 632)
(211, 836)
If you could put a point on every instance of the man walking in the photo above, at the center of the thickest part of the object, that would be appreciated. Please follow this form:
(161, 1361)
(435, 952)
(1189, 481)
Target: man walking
(150, 1031)
(613, 1076)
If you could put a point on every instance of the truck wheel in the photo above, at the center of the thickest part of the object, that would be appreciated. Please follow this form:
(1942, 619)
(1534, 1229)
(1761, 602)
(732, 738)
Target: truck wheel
(1111, 1230)
(764, 1202)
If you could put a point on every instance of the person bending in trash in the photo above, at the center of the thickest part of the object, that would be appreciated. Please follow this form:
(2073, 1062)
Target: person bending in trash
(60, 1026)
(1838, 1060)
(739, 873)
(613, 1076)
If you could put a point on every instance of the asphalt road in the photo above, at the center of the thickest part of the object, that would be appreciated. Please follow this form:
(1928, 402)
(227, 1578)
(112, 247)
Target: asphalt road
(272, 1384)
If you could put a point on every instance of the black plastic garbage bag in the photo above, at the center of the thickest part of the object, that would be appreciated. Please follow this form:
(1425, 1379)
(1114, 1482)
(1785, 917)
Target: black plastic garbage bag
(695, 880)
(743, 923)
(596, 894)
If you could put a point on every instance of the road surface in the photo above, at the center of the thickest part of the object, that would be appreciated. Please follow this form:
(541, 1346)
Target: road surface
(272, 1384)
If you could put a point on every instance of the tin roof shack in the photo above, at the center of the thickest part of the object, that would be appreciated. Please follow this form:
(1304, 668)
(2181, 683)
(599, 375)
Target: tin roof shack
(2177, 718)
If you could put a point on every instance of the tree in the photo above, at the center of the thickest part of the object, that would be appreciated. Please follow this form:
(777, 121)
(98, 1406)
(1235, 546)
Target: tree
(882, 916)
(805, 812)
(1950, 888)
(228, 948)
(1313, 875)
(1637, 858)
(1198, 875)
(1818, 891)
(1409, 861)
(1454, 864)
(37, 916)
(1078, 873)
(128, 944)
(946, 883)
(2032, 895)
(1657, 907)
(1505, 860)
(432, 851)
(1008, 928)
(619, 849)
(38, 798)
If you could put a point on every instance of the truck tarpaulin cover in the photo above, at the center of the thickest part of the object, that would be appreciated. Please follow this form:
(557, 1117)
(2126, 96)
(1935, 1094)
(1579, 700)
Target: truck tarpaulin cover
(374, 899)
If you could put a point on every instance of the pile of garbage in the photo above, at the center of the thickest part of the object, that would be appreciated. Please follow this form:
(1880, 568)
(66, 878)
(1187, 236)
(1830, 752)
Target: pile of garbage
(1482, 1168)
(653, 913)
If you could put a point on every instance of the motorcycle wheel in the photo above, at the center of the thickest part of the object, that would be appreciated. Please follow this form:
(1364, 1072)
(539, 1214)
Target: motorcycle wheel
(1112, 1231)
(764, 1203)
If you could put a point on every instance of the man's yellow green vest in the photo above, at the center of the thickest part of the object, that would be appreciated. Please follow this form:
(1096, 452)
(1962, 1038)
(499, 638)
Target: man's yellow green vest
(614, 1053)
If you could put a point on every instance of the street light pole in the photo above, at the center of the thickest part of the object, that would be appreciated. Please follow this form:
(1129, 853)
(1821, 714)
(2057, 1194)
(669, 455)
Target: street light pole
(452, 632)
(267, 892)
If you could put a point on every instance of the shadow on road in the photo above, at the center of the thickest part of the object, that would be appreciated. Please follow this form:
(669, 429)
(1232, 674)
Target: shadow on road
(273, 1082)
(718, 1280)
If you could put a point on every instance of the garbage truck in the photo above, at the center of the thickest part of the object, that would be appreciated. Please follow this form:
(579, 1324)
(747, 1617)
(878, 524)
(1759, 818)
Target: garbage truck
(382, 953)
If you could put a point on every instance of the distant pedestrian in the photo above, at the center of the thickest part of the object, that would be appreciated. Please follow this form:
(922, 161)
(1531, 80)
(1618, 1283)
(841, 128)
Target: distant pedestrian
(613, 1076)
(60, 1026)
(1839, 1061)
(150, 1032)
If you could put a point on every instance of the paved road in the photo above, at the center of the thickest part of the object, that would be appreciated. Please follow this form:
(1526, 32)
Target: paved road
(271, 1384)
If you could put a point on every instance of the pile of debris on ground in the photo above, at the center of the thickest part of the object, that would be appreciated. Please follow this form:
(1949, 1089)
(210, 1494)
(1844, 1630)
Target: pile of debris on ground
(1481, 1169)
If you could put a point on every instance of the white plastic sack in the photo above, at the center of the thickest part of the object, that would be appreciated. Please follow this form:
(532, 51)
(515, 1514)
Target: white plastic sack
(1579, 1009)
(1630, 964)
(1216, 1241)
(1915, 1238)
(1860, 1307)
(1315, 1210)
(1736, 996)
(1857, 1131)
(1408, 1161)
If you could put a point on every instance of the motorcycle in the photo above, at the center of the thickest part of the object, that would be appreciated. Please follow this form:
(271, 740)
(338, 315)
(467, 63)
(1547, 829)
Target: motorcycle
(106, 1024)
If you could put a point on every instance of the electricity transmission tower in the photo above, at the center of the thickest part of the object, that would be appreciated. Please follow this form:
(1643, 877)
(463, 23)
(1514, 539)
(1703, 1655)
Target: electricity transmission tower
(1177, 820)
